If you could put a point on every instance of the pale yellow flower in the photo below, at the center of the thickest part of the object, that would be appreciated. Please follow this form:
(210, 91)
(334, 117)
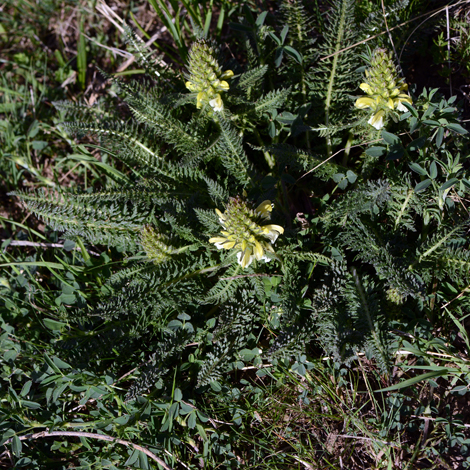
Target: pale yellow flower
(385, 90)
(206, 77)
(243, 232)
(377, 119)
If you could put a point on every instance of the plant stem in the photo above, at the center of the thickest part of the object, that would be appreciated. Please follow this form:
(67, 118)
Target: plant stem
(267, 156)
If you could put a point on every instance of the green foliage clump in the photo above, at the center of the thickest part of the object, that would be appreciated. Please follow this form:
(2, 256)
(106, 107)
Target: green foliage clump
(198, 296)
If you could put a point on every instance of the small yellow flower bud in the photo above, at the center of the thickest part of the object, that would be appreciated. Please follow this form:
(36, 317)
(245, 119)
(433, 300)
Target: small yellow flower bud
(155, 245)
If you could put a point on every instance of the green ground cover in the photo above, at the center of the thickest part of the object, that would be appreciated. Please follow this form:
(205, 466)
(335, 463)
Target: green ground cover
(234, 234)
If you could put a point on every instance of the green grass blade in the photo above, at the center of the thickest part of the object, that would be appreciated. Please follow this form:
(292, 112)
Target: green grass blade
(415, 380)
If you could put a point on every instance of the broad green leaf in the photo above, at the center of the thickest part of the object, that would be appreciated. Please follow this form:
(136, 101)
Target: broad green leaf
(7, 435)
(58, 392)
(416, 144)
(466, 183)
(376, 151)
(143, 461)
(418, 169)
(460, 389)
(439, 136)
(410, 108)
(185, 409)
(286, 117)
(16, 446)
(192, 421)
(69, 245)
(132, 459)
(352, 177)
(26, 388)
(279, 54)
(67, 299)
(174, 410)
(448, 184)
(284, 33)
(10, 355)
(178, 395)
(51, 364)
(456, 128)
(261, 18)
(390, 138)
(60, 363)
(275, 39)
(201, 431)
(423, 185)
(395, 152)
(23, 462)
(32, 405)
(293, 53)
(338, 177)
(54, 325)
(122, 420)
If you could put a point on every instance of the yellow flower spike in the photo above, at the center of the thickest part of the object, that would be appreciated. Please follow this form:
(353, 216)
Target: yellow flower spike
(243, 232)
(384, 89)
(229, 245)
(205, 77)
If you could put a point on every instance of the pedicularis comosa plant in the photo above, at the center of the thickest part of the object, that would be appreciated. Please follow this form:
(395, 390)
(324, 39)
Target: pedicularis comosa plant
(297, 196)
(235, 187)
